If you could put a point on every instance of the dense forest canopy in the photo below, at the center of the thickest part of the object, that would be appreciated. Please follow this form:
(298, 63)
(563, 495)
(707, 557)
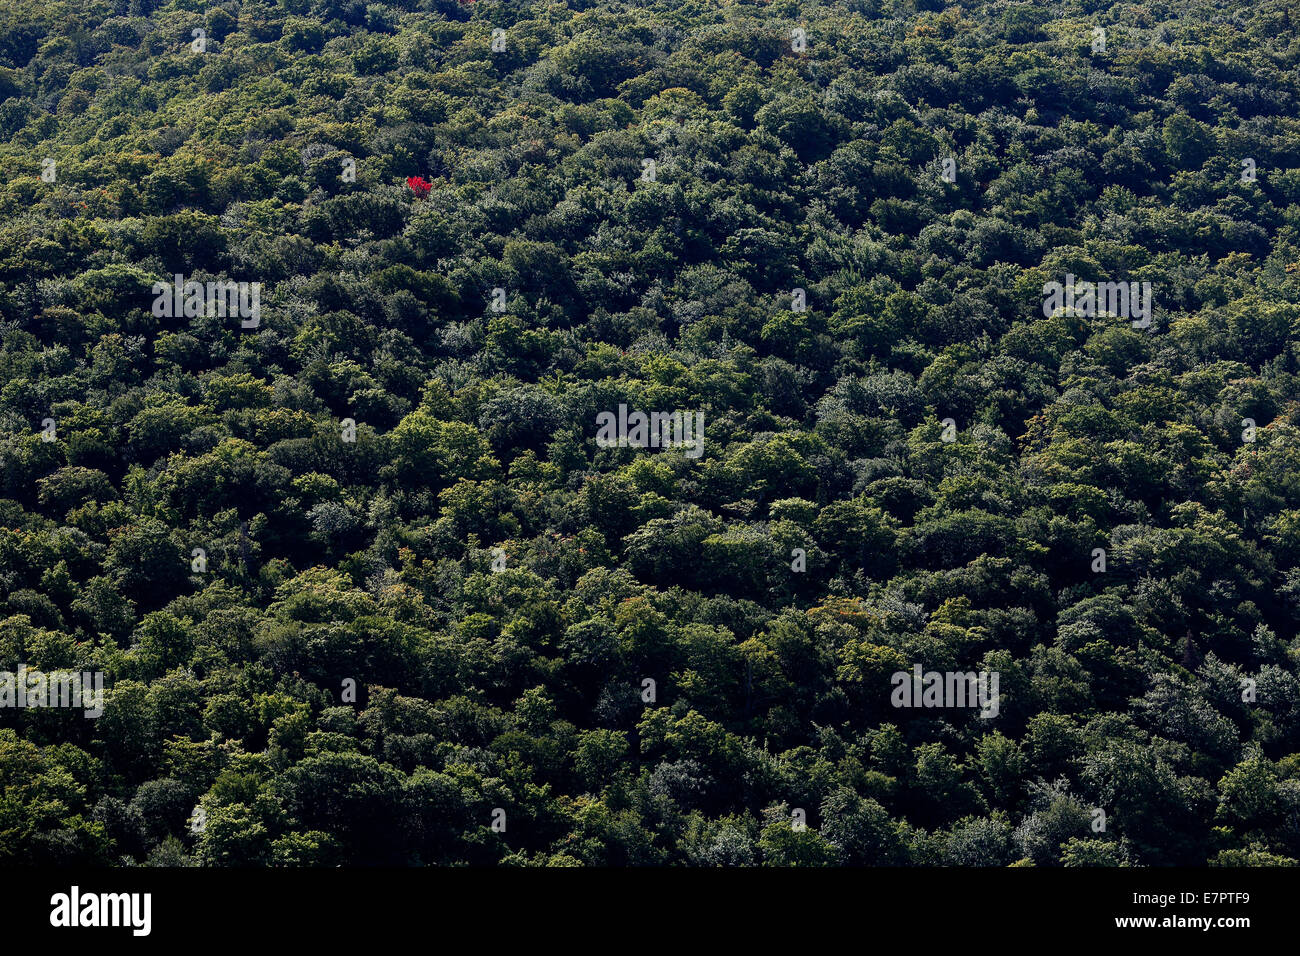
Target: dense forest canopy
(365, 585)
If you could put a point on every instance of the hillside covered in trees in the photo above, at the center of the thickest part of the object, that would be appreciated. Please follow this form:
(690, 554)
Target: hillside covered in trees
(366, 586)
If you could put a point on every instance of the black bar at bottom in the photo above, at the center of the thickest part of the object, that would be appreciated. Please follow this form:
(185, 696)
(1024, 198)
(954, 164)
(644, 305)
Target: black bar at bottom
(332, 906)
